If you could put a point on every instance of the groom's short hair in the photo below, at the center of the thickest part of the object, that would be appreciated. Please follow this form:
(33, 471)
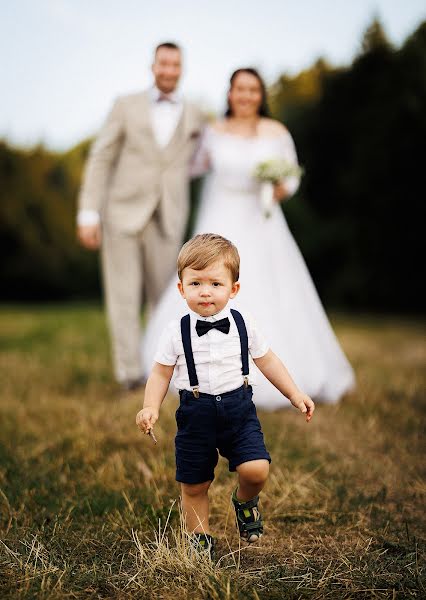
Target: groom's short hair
(169, 45)
(205, 249)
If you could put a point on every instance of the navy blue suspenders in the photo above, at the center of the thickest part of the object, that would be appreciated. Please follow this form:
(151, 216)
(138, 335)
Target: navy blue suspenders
(185, 328)
(242, 330)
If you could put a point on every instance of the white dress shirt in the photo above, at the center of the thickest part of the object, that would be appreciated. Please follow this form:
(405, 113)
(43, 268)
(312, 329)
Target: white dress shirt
(217, 355)
(165, 115)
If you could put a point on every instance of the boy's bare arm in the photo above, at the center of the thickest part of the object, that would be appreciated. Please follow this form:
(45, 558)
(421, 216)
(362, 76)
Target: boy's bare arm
(274, 370)
(155, 391)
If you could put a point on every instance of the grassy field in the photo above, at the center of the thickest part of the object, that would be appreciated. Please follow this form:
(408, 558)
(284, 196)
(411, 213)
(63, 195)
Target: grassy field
(89, 507)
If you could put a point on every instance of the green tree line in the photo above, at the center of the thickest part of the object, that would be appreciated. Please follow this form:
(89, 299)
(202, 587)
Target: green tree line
(358, 216)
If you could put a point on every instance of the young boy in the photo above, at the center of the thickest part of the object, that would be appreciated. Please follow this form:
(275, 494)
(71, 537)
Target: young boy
(209, 352)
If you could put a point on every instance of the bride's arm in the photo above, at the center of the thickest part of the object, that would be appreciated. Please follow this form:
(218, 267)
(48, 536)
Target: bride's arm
(200, 161)
(289, 186)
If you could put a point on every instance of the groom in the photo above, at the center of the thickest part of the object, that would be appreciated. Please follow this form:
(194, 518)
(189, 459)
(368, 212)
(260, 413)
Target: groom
(134, 201)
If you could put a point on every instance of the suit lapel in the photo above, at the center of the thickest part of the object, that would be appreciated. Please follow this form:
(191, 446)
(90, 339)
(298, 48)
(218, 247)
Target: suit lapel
(145, 123)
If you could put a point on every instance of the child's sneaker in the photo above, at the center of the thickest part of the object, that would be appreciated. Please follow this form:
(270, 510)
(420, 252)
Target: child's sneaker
(203, 543)
(248, 517)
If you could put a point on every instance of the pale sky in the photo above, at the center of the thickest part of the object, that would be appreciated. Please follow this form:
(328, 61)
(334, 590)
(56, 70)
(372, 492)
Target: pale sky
(64, 61)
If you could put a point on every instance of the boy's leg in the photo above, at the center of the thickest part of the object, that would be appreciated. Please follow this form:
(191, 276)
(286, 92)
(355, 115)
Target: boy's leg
(252, 476)
(195, 506)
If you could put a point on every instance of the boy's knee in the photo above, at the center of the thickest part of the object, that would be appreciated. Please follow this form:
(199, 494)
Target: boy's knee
(195, 489)
(254, 471)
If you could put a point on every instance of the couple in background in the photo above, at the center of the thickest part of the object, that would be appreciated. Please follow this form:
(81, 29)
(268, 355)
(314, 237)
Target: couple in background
(147, 209)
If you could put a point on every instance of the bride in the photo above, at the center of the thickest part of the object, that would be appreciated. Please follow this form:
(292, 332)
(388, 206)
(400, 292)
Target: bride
(275, 284)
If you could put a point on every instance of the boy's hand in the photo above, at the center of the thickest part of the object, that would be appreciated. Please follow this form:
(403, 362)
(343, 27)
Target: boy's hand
(304, 403)
(146, 418)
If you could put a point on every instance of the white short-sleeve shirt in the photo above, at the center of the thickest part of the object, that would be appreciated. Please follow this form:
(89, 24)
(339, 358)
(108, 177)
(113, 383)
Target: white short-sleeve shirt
(217, 355)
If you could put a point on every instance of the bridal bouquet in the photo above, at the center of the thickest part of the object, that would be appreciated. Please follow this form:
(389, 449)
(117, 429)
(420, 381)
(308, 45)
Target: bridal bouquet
(269, 173)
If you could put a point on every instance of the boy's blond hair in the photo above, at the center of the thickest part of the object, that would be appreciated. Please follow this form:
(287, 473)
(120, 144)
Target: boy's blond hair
(205, 249)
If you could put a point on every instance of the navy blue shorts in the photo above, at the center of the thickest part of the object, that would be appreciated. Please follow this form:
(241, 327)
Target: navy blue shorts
(227, 423)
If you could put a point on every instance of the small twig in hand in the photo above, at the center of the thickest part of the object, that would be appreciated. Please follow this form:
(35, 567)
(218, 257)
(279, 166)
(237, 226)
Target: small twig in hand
(151, 433)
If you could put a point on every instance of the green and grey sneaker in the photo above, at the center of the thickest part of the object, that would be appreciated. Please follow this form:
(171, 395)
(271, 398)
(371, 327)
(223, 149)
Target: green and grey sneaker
(248, 517)
(203, 543)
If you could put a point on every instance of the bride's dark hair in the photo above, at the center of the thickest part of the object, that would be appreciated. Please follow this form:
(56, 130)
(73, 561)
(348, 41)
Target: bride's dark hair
(263, 108)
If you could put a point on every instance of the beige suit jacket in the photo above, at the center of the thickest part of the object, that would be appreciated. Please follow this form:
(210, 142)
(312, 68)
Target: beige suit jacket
(128, 175)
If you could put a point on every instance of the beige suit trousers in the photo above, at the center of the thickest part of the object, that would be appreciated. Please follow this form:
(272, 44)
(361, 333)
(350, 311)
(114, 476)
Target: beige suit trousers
(136, 268)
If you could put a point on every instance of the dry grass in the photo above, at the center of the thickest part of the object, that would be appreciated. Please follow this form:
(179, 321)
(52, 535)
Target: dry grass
(88, 506)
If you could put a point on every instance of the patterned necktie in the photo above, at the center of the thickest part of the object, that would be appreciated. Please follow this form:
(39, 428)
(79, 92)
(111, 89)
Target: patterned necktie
(203, 327)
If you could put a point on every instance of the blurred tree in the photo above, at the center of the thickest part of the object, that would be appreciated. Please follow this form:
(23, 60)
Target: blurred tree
(40, 258)
(375, 38)
(295, 93)
(362, 147)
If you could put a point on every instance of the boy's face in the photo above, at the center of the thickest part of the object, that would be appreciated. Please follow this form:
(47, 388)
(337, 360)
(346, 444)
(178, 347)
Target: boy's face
(207, 291)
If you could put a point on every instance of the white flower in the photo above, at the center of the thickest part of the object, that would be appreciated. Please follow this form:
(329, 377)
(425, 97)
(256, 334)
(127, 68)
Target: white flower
(276, 169)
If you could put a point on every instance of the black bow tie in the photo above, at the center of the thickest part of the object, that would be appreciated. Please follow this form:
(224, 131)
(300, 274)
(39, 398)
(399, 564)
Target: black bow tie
(203, 327)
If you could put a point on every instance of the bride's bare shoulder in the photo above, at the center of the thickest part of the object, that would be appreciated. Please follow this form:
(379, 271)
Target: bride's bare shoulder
(271, 128)
(219, 125)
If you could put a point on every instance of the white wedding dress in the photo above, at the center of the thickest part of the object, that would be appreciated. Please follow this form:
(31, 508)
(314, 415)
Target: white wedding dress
(276, 287)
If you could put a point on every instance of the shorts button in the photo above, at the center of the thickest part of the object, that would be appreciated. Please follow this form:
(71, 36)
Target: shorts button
(218, 398)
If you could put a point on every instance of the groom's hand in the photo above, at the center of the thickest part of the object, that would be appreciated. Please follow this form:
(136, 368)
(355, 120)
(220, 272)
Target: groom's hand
(89, 236)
